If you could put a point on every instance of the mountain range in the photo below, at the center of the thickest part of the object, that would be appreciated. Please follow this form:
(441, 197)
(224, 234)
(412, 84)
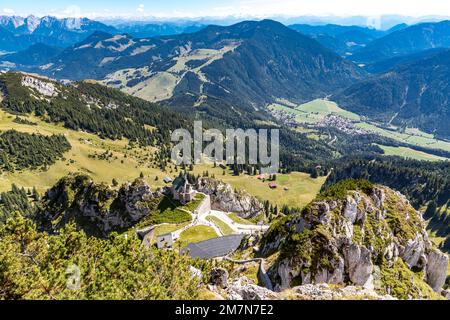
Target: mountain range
(406, 41)
(147, 30)
(413, 94)
(342, 39)
(247, 65)
(18, 33)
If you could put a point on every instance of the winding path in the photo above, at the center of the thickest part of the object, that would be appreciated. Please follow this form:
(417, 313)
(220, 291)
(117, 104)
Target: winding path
(201, 219)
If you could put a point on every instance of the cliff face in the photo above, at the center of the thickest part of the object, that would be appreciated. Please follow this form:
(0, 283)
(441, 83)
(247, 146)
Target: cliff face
(369, 236)
(98, 208)
(224, 198)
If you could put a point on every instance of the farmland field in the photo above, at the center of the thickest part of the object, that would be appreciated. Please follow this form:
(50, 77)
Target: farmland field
(295, 189)
(410, 153)
(312, 112)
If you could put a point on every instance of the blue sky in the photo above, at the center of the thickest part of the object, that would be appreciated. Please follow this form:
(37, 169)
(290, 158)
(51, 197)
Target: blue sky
(222, 8)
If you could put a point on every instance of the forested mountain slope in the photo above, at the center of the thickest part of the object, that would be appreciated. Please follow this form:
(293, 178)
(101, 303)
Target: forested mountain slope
(246, 65)
(412, 94)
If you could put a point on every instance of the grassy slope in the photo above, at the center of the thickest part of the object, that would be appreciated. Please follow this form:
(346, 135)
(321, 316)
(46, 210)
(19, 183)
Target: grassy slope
(314, 111)
(411, 136)
(224, 228)
(410, 153)
(302, 188)
(196, 234)
(77, 159)
(237, 219)
(166, 228)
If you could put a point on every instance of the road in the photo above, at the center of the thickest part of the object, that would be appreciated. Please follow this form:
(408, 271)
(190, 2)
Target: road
(201, 219)
(237, 227)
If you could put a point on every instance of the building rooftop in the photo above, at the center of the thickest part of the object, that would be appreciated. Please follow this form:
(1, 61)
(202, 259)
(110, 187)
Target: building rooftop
(179, 182)
(167, 179)
(212, 248)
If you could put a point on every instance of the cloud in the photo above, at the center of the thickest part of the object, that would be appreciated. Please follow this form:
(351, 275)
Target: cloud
(343, 7)
(251, 9)
(141, 8)
(8, 11)
(73, 12)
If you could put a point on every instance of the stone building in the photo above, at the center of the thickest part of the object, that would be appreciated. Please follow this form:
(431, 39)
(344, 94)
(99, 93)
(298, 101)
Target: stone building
(182, 190)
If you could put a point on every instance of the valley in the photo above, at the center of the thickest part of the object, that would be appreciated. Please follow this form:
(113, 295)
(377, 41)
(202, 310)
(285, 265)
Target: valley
(309, 115)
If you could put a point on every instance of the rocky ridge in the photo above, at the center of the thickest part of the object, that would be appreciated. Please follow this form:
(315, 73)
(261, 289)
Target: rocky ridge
(367, 236)
(244, 289)
(97, 207)
(224, 198)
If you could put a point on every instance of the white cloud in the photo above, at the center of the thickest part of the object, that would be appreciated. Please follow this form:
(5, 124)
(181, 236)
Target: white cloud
(343, 7)
(141, 8)
(295, 8)
(263, 9)
(73, 12)
(8, 11)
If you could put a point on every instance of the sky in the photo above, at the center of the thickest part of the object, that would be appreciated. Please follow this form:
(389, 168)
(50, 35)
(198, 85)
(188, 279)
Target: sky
(137, 9)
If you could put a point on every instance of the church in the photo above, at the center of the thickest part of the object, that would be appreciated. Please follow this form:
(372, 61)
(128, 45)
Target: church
(182, 190)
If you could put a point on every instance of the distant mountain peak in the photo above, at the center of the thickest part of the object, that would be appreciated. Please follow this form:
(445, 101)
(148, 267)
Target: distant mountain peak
(52, 31)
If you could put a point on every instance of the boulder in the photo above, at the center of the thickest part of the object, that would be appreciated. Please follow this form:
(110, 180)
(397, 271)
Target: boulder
(350, 210)
(219, 277)
(436, 269)
(325, 292)
(242, 289)
(358, 263)
(413, 255)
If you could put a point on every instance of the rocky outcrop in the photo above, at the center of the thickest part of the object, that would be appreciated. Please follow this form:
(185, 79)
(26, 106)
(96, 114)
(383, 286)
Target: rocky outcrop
(224, 198)
(369, 237)
(325, 292)
(437, 262)
(44, 88)
(219, 277)
(97, 208)
(243, 289)
(358, 264)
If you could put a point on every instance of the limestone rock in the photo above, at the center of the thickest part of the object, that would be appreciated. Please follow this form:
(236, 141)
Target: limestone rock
(358, 263)
(436, 269)
(350, 210)
(325, 292)
(219, 277)
(241, 289)
(413, 255)
(342, 241)
(224, 198)
(97, 208)
(45, 88)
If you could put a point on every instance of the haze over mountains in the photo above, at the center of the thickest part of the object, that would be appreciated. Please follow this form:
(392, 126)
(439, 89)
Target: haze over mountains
(406, 41)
